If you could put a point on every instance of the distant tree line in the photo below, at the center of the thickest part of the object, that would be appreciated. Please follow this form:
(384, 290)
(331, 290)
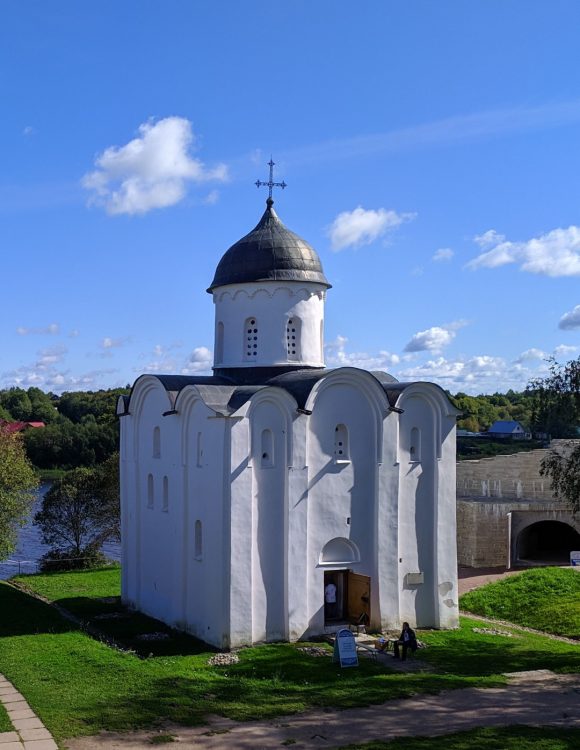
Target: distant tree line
(81, 430)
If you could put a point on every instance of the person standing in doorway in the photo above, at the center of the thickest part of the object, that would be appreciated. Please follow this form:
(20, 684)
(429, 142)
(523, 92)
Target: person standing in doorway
(330, 600)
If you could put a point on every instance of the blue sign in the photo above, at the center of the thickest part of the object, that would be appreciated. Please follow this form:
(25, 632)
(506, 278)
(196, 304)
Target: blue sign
(575, 559)
(345, 649)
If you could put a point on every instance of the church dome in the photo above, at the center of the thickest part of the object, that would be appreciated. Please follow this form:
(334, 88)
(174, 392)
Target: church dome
(270, 252)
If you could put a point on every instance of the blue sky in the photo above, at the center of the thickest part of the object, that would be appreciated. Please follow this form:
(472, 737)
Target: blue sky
(431, 152)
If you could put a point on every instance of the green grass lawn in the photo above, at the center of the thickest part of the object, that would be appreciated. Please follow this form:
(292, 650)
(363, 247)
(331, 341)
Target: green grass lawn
(78, 685)
(544, 598)
(490, 738)
(5, 723)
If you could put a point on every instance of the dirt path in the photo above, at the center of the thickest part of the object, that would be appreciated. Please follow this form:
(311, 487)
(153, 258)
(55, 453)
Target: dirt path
(473, 578)
(534, 698)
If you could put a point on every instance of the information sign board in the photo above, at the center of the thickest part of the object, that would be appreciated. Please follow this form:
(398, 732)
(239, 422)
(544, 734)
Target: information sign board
(345, 648)
(575, 559)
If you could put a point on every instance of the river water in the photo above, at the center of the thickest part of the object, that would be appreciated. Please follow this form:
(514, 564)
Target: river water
(30, 547)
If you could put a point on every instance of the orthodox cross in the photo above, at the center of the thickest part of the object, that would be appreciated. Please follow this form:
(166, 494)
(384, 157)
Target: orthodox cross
(270, 184)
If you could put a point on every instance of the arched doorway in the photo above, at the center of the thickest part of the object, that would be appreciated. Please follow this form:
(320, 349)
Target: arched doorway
(547, 543)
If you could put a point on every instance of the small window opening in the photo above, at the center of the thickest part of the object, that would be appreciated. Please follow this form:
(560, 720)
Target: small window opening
(197, 541)
(199, 452)
(267, 449)
(156, 443)
(150, 491)
(251, 338)
(415, 445)
(293, 326)
(165, 494)
(341, 451)
(219, 347)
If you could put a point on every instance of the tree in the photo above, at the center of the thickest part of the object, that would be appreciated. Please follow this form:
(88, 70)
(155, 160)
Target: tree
(80, 512)
(557, 411)
(17, 485)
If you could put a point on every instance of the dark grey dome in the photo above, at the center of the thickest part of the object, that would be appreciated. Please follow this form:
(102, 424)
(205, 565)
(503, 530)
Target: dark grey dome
(270, 252)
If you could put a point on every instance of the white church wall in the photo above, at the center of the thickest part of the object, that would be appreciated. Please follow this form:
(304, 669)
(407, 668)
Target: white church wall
(203, 578)
(427, 544)
(255, 317)
(342, 494)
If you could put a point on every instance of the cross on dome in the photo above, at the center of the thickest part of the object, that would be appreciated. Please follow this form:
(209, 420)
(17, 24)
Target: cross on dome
(270, 184)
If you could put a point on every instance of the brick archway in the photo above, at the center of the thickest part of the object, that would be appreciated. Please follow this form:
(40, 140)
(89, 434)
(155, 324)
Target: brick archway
(547, 542)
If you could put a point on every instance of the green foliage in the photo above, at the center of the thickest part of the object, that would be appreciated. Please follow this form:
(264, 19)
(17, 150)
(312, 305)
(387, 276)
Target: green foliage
(481, 447)
(480, 412)
(564, 472)
(5, 723)
(79, 513)
(544, 598)
(17, 485)
(486, 738)
(32, 405)
(556, 400)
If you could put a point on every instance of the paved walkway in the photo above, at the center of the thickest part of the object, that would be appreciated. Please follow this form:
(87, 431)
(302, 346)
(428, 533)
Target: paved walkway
(539, 698)
(473, 578)
(29, 732)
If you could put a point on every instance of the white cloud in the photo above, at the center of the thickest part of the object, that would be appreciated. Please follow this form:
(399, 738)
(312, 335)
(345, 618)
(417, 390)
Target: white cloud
(531, 354)
(200, 360)
(362, 226)
(491, 237)
(28, 130)
(51, 355)
(435, 338)
(151, 171)
(337, 356)
(50, 330)
(570, 320)
(565, 350)
(110, 343)
(444, 253)
(74, 333)
(556, 253)
(211, 198)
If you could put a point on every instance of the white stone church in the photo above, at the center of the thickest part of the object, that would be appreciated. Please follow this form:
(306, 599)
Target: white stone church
(246, 492)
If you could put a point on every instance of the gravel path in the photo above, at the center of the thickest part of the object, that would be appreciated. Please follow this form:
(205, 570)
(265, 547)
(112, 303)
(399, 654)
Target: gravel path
(534, 698)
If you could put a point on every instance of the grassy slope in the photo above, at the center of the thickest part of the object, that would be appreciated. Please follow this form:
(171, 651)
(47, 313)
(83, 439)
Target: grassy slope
(5, 723)
(544, 598)
(491, 738)
(79, 686)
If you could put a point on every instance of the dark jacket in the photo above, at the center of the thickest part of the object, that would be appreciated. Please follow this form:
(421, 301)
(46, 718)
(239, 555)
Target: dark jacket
(412, 641)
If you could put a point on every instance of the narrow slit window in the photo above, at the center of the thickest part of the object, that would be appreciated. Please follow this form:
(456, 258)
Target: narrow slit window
(197, 541)
(156, 442)
(251, 339)
(165, 494)
(219, 344)
(199, 459)
(415, 445)
(150, 491)
(267, 449)
(293, 326)
(341, 450)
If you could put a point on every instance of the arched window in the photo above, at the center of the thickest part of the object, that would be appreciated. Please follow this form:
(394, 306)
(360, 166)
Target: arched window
(251, 339)
(267, 449)
(415, 445)
(219, 344)
(293, 326)
(165, 494)
(150, 491)
(341, 452)
(156, 442)
(197, 541)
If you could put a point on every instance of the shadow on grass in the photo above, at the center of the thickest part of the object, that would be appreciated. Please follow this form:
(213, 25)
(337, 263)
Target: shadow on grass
(24, 615)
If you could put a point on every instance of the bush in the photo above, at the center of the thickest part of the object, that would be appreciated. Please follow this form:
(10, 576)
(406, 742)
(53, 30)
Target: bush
(71, 559)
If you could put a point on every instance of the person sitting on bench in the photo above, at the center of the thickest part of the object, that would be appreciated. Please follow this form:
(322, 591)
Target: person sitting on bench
(407, 639)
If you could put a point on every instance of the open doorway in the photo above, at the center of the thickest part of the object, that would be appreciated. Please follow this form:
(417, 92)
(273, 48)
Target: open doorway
(347, 597)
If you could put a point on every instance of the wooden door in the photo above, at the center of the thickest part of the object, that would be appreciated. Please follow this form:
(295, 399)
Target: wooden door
(359, 598)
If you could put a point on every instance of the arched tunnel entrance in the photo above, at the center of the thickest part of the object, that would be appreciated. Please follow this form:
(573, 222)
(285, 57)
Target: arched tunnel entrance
(547, 542)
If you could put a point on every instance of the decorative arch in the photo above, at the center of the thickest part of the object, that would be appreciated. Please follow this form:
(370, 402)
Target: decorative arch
(284, 402)
(188, 400)
(338, 553)
(144, 386)
(368, 386)
(437, 400)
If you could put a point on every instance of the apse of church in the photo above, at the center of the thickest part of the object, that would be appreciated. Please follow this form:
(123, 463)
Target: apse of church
(252, 495)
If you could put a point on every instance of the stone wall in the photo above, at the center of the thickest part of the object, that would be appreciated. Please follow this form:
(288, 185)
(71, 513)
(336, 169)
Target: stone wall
(500, 495)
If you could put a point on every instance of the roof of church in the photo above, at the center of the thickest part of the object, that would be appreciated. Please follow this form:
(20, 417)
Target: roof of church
(227, 393)
(270, 252)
